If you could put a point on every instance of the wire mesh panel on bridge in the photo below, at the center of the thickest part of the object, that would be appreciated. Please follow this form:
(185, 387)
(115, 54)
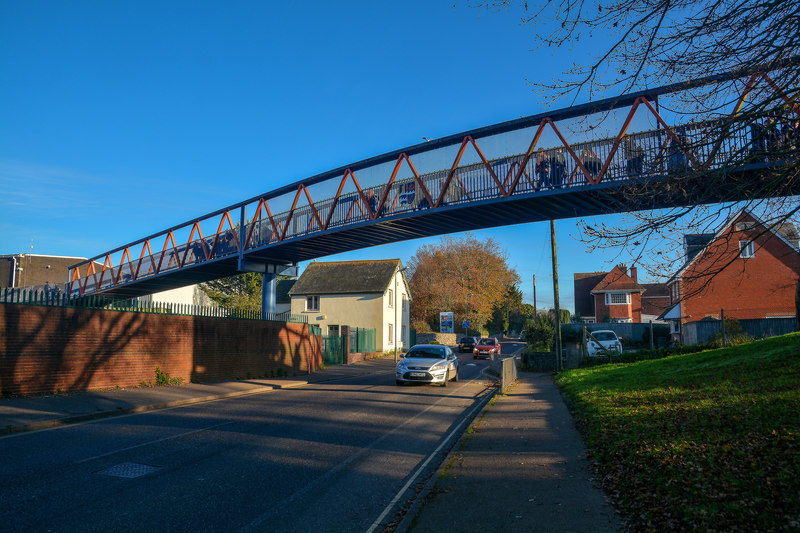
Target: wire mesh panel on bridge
(333, 350)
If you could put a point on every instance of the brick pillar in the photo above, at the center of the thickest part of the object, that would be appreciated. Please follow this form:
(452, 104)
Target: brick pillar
(344, 331)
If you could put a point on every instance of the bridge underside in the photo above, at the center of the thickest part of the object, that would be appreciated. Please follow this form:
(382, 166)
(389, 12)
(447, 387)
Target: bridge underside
(573, 202)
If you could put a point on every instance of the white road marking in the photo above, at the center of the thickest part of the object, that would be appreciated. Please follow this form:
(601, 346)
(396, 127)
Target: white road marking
(151, 442)
(341, 466)
(422, 467)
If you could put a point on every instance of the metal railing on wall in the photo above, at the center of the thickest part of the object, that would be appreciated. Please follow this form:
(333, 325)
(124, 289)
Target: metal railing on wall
(53, 298)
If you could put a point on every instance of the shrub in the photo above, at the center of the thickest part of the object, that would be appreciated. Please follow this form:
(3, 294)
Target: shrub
(540, 333)
(422, 327)
(733, 335)
(570, 334)
(162, 378)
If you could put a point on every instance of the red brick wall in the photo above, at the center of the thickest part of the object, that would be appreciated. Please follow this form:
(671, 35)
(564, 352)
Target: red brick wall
(43, 349)
(756, 287)
(631, 311)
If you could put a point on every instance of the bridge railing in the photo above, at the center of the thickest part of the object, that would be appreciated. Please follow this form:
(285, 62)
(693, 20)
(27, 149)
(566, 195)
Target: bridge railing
(665, 151)
(650, 153)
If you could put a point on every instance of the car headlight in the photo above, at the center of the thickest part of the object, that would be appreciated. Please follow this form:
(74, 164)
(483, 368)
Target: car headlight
(438, 367)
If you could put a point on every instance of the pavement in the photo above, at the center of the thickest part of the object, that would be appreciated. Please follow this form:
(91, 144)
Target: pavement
(520, 466)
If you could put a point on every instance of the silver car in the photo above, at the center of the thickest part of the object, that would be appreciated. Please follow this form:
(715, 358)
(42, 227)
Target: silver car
(427, 363)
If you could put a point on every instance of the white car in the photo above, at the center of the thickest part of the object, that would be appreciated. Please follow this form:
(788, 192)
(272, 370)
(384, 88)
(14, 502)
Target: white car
(607, 341)
(427, 363)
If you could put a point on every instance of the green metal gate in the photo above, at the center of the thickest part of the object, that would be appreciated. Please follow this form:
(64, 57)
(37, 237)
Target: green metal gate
(333, 350)
(362, 340)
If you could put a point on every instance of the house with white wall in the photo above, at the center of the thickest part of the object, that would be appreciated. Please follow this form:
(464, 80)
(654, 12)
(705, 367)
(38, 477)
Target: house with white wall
(358, 294)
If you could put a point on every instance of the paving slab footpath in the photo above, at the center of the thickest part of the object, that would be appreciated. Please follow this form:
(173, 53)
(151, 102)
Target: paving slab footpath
(522, 467)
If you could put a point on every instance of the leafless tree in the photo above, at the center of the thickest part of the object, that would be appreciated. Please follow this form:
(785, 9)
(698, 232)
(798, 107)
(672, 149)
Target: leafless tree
(642, 44)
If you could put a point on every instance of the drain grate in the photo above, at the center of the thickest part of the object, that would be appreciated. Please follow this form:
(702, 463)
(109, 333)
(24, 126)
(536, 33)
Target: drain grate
(129, 470)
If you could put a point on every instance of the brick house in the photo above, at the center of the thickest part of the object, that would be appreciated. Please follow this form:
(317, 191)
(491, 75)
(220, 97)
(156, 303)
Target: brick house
(747, 269)
(614, 296)
(655, 300)
(359, 294)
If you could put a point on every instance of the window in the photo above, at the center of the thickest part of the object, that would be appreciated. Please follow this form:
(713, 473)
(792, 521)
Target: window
(403, 335)
(333, 329)
(617, 298)
(391, 298)
(405, 303)
(675, 326)
(391, 336)
(675, 292)
(747, 249)
(312, 303)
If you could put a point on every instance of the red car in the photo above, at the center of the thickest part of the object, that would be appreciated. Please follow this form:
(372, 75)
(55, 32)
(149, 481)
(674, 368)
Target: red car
(486, 347)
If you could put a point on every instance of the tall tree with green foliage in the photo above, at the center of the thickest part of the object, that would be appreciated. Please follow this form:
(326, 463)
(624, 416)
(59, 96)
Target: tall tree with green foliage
(510, 314)
(241, 292)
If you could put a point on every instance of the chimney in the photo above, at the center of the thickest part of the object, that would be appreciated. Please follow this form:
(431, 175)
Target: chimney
(634, 274)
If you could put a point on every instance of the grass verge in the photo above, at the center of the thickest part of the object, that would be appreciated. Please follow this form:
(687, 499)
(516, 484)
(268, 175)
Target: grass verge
(707, 441)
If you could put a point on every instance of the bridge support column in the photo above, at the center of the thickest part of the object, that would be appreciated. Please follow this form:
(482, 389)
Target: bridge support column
(268, 293)
(269, 284)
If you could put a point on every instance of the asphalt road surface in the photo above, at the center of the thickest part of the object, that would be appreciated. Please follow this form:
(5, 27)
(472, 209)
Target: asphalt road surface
(342, 456)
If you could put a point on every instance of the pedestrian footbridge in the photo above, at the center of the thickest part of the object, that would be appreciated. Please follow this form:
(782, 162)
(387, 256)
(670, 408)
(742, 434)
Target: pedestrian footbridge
(539, 169)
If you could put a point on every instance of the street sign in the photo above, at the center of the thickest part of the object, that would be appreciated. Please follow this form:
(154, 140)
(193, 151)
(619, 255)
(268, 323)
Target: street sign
(465, 324)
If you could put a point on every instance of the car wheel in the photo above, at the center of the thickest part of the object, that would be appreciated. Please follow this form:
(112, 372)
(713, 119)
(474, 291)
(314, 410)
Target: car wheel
(455, 378)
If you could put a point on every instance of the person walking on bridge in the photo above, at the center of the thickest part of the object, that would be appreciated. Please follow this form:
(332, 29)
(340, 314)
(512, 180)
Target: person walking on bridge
(558, 168)
(543, 168)
(591, 162)
(634, 157)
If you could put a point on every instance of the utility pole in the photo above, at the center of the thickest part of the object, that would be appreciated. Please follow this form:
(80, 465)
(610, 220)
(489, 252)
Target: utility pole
(559, 360)
(534, 295)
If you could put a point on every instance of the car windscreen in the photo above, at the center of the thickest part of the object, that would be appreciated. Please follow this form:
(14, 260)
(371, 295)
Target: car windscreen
(487, 342)
(467, 340)
(605, 336)
(427, 353)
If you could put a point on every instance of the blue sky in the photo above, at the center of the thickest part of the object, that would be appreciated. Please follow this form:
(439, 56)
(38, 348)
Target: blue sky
(121, 119)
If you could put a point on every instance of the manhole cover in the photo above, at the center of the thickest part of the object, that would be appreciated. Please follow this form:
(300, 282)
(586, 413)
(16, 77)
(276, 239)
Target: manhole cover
(129, 470)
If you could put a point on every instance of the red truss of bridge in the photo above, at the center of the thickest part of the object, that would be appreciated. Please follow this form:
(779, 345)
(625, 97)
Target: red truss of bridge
(196, 258)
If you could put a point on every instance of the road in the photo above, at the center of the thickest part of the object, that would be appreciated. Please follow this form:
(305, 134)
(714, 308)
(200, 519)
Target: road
(337, 456)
